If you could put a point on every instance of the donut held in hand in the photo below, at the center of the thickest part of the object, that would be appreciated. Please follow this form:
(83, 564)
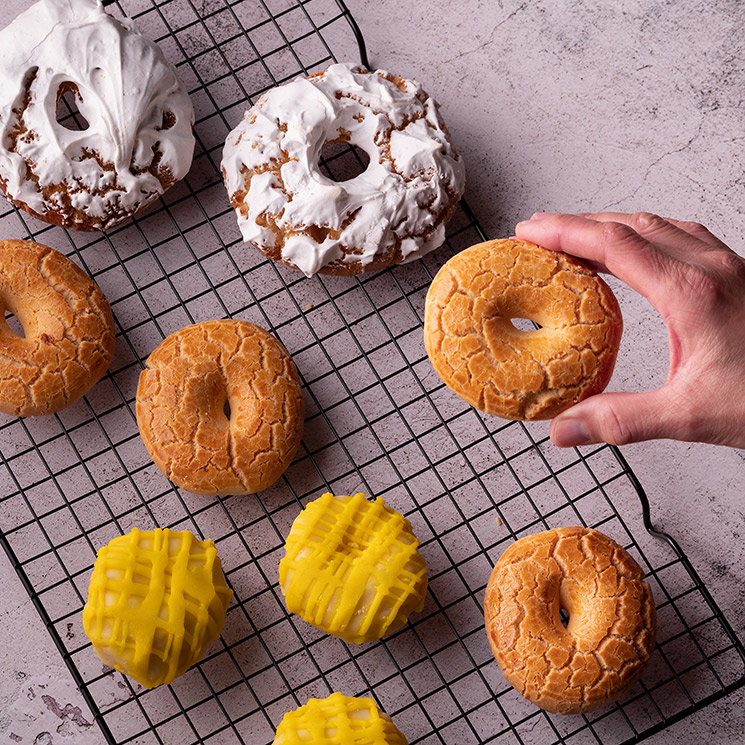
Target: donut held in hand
(496, 367)
(198, 442)
(68, 340)
(393, 212)
(610, 633)
(137, 137)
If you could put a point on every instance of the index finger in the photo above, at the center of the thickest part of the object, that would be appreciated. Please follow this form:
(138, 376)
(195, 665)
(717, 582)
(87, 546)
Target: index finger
(611, 247)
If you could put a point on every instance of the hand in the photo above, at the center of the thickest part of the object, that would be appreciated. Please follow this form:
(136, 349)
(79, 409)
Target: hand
(697, 285)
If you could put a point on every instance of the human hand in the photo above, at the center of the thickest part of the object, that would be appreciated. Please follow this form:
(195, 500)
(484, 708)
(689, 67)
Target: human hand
(697, 284)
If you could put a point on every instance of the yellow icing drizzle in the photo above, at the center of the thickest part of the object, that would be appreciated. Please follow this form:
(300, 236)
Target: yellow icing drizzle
(156, 600)
(352, 568)
(338, 720)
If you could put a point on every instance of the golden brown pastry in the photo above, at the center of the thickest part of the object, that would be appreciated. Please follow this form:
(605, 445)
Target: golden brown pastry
(220, 409)
(68, 330)
(610, 633)
(515, 374)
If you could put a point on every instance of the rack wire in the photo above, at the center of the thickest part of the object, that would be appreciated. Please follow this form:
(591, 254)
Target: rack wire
(378, 420)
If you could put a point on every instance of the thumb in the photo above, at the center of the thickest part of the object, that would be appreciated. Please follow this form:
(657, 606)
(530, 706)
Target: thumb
(615, 418)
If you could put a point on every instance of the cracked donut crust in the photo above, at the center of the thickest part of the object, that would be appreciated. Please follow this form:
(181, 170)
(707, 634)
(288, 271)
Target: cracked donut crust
(181, 396)
(610, 634)
(68, 340)
(500, 369)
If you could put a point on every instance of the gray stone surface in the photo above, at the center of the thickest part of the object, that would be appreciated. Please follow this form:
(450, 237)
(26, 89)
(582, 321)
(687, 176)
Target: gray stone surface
(555, 105)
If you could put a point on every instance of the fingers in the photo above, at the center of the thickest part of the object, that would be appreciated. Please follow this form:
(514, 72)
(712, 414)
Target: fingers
(683, 240)
(611, 247)
(616, 418)
(697, 230)
(665, 230)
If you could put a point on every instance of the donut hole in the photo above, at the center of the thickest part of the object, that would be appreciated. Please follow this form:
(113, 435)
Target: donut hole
(168, 121)
(68, 114)
(524, 324)
(226, 409)
(342, 161)
(14, 325)
(564, 617)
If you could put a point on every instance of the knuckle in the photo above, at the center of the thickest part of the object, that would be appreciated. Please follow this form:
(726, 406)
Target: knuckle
(709, 289)
(718, 282)
(730, 265)
(614, 430)
(647, 221)
(695, 228)
(618, 234)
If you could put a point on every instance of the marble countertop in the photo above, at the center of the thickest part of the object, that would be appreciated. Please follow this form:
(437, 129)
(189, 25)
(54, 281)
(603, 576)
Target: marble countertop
(556, 105)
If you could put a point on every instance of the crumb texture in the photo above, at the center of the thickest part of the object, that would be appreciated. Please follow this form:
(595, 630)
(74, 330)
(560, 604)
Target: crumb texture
(610, 633)
(68, 328)
(352, 568)
(508, 372)
(220, 409)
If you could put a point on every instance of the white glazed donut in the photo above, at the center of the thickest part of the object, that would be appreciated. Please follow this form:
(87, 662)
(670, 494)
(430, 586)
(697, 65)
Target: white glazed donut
(393, 212)
(139, 140)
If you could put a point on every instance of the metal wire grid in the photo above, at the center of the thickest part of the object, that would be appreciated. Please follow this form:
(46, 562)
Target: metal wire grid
(378, 420)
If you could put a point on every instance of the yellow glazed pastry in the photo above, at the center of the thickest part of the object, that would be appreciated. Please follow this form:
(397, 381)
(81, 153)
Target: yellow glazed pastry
(352, 568)
(338, 720)
(156, 600)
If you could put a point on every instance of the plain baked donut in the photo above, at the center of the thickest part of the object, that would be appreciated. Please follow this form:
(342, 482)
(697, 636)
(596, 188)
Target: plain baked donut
(182, 416)
(68, 328)
(610, 633)
(138, 137)
(393, 212)
(500, 369)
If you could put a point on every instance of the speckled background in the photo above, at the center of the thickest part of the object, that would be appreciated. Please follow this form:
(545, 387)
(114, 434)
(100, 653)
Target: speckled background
(555, 106)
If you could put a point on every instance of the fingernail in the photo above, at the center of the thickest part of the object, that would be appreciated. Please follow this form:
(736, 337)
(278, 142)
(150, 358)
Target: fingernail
(570, 432)
(542, 215)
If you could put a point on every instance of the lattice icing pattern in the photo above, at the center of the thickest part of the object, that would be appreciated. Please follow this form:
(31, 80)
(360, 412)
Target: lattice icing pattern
(352, 568)
(338, 720)
(156, 600)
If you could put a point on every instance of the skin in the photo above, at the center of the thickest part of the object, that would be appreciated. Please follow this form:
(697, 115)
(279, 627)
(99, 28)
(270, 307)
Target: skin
(697, 284)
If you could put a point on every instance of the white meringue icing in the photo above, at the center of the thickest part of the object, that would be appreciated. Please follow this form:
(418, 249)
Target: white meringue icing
(127, 93)
(413, 175)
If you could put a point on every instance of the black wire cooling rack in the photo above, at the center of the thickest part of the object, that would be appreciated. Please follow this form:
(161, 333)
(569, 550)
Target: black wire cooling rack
(378, 420)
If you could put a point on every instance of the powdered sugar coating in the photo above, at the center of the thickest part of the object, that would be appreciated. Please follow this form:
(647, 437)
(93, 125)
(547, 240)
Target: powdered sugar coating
(139, 139)
(395, 211)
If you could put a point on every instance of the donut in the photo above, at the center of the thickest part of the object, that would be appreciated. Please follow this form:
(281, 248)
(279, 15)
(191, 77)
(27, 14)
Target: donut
(219, 408)
(511, 373)
(68, 328)
(156, 600)
(608, 639)
(338, 720)
(136, 139)
(352, 568)
(393, 212)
